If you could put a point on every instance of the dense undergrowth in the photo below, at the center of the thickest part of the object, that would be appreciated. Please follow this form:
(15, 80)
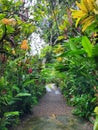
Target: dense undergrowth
(20, 81)
(77, 80)
(70, 59)
(20, 91)
(21, 88)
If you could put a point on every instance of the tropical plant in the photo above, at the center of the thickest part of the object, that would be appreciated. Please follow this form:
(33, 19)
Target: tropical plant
(87, 13)
(96, 121)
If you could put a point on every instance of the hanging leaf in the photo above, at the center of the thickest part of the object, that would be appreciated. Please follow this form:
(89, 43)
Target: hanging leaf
(23, 95)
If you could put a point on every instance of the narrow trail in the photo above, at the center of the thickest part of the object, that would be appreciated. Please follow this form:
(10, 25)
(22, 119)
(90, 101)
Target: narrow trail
(52, 113)
(51, 104)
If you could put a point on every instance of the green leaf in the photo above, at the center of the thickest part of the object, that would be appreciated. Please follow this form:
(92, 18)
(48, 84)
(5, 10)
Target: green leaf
(96, 125)
(28, 82)
(95, 50)
(73, 42)
(15, 87)
(72, 46)
(76, 52)
(73, 52)
(23, 95)
(1, 32)
(87, 45)
(10, 29)
(2, 16)
(10, 114)
(61, 37)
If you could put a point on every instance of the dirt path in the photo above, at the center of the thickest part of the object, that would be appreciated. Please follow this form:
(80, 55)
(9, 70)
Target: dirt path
(52, 113)
(51, 104)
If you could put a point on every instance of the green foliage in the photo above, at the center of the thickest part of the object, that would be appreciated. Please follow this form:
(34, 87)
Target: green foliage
(14, 28)
(19, 89)
(23, 95)
(8, 119)
(16, 98)
(84, 105)
(80, 79)
(75, 68)
(45, 51)
(48, 74)
(75, 74)
(87, 46)
(96, 121)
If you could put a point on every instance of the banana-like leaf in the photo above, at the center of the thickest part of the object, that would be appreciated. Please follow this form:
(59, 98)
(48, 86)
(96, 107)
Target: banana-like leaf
(87, 45)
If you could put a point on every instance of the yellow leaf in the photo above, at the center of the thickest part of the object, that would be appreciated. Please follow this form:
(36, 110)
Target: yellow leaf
(91, 4)
(59, 59)
(86, 24)
(84, 5)
(96, 110)
(87, 20)
(13, 52)
(85, 14)
(61, 37)
(77, 22)
(78, 14)
(96, 11)
(81, 6)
